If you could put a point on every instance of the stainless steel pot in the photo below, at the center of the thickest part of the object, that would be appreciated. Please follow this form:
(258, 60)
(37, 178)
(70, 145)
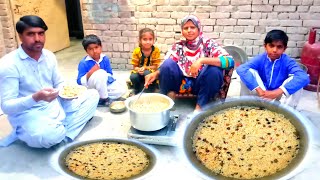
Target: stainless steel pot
(299, 121)
(64, 151)
(149, 121)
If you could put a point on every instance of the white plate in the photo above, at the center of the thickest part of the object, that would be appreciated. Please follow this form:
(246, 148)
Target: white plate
(71, 91)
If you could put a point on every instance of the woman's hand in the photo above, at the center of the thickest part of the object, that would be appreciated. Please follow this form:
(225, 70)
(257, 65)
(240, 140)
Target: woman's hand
(148, 79)
(194, 68)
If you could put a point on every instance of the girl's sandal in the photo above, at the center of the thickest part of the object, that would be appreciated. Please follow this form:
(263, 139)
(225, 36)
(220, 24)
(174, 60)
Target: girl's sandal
(131, 94)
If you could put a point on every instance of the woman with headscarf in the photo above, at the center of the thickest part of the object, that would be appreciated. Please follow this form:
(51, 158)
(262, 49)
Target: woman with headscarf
(195, 64)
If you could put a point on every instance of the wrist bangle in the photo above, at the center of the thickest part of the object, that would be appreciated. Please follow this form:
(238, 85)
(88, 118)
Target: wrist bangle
(223, 62)
(231, 62)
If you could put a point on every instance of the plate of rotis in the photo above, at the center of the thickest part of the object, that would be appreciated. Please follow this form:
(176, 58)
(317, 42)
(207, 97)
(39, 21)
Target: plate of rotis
(71, 91)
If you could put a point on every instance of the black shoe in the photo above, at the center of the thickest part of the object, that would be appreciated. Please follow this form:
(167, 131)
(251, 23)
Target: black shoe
(108, 102)
(101, 102)
(104, 102)
(120, 99)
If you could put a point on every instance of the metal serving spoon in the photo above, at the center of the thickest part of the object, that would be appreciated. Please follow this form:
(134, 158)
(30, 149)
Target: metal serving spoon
(140, 94)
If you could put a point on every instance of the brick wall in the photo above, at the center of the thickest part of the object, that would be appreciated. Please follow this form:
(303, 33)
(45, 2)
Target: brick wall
(243, 23)
(7, 31)
(2, 48)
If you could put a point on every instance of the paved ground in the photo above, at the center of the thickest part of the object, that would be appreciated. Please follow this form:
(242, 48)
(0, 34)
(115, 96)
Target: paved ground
(21, 162)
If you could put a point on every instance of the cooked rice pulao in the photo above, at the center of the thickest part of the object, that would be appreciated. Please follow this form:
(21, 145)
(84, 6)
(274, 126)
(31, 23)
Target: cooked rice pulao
(107, 160)
(70, 91)
(246, 142)
(149, 105)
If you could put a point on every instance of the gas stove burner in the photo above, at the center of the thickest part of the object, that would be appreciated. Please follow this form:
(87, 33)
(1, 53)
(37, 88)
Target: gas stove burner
(165, 136)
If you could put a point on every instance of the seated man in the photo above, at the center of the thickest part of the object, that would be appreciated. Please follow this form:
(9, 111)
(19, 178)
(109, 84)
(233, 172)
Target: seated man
(273, 73)
(29, 89)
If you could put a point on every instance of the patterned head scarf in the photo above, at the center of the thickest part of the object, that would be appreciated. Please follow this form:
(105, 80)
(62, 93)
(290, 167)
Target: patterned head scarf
(185, 52)
(193, 45)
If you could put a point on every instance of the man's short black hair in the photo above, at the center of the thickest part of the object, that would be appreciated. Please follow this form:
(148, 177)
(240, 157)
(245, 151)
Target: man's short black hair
(90, 39)
(276, 35)
(30, 21)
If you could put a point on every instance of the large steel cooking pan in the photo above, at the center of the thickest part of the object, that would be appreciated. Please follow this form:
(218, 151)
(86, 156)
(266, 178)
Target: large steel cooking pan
(60, 165)
(299, 121)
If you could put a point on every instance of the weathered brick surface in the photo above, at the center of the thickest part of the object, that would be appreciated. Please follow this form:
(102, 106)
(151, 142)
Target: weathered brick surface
(226, 8)
(202, 9)
(243, 23)
(148, 21)
(249, 29)
(230, 22)
(207, 22)
(219, 2)
(161, 14)
(248, 22)
(2, 47)
(169, 28)
(297, 30)
(311, 23)
(269, 28)
(274, 2)
(302, 8)
(225, 29)
(187, 9)
(245, 8)
(284, 8)
(7, 35)
(238, 29)
(153, 27)
(218, 28)
(259, 1)
(147, 8)
(96, 32)
(290, 23)
(307, 2)
(314, 9)
(316, 2)
(243, 2)
(269, 22)
(178, 15)
(256, 15)
(262, 8)
(142, 15)
(199, 2)
(241, 15)
(284, 1)
(238, 42)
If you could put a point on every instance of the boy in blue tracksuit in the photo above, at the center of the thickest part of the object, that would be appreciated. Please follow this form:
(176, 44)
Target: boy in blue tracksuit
(273, 73)
(95, 72)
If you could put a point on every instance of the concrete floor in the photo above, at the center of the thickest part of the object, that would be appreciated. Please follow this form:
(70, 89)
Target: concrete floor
(21, 162)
